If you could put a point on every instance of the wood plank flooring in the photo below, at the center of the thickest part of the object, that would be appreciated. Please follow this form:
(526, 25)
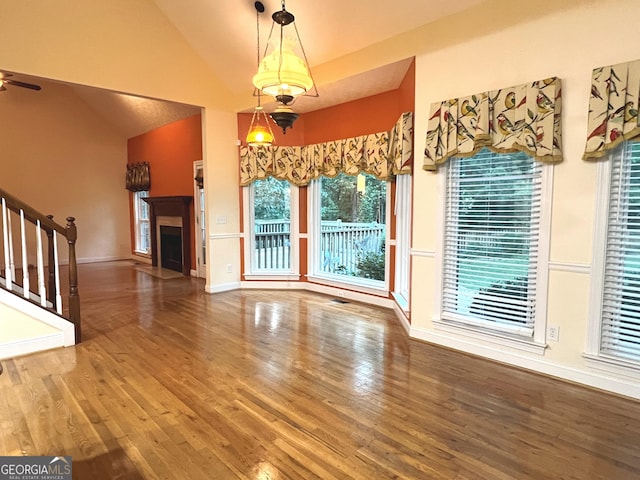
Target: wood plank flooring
(173, 383)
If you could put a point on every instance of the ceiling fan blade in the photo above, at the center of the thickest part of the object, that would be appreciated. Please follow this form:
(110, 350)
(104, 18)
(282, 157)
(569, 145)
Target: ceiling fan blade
(18, 83)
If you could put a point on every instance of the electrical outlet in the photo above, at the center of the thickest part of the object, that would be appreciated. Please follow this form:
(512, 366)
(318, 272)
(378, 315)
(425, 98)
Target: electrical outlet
(553, 333)
(229, 268)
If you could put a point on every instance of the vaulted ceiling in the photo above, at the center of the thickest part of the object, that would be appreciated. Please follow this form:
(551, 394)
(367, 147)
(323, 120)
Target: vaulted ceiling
(223, 33)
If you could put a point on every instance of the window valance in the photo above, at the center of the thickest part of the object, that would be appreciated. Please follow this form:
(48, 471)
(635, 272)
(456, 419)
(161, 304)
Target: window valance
(383, 155)
(138, 177)
(613, 108)
(521, 118)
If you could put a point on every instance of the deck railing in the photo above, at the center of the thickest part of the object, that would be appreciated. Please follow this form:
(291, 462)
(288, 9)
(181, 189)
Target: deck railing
(341, 243)
(25, 231)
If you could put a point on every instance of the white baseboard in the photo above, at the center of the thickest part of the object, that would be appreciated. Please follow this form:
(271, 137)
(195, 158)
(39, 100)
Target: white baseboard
(536, 364)
(31, 345)
(101, 259)
(402, 318)
(224, 287)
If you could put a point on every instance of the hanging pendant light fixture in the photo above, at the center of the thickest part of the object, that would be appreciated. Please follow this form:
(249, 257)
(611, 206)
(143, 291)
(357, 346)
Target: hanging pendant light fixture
(283, 72)
(260, 133)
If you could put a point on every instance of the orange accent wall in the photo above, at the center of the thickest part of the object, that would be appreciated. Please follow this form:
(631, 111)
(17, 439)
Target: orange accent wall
(293, 137)
(377, 113)
(170, 151)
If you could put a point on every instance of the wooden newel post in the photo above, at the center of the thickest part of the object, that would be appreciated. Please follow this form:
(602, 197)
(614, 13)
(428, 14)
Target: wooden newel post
(51, 285)
(74, 298)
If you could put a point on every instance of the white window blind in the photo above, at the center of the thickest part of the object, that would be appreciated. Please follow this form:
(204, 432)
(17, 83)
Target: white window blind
(492, 227)
(620, 329)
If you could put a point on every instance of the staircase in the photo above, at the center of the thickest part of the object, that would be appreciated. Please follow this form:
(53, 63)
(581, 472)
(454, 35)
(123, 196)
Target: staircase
(33, 315)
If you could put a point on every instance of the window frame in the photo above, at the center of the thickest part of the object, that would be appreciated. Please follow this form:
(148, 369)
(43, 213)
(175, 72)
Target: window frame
(595, 358)
(138, 222)
(536, 343)
(251, 272)
(363, 285)
(403, 215)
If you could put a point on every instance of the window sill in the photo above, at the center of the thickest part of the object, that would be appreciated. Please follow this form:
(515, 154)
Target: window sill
(626, 369)
(495, 337)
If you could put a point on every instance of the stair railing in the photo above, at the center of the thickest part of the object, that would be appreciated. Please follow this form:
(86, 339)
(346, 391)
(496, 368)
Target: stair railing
(47, 293)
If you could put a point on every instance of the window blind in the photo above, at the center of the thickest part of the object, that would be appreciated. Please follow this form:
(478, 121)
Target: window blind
(491, 241)
(620, 331)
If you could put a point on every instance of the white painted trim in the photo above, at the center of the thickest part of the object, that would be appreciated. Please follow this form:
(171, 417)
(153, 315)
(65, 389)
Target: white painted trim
(502, 338)
(32, 345)
(402, 318)
(66, 327)
(193, 273)
(414, 252)
(274, 276)
(600, 227)
(350, 283)
(224, 287)
(271, 285)
(582, 268)
(113, 258)
(142, 259)
(536, 364)
(350, 295)
(303, 235)
(222, 236)
(324, 289)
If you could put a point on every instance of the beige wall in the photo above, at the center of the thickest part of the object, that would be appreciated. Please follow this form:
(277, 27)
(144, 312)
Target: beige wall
(127, 45)
(568, 44)
(59, 157)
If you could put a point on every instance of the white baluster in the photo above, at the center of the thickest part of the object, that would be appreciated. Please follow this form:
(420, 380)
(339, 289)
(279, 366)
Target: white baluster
(25, 260)
(41, 288)
(7, 268)
(57, 273)
(12, 262)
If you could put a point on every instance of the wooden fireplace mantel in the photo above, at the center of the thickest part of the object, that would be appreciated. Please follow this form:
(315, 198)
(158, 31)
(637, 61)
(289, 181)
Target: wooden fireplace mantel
(174, 206)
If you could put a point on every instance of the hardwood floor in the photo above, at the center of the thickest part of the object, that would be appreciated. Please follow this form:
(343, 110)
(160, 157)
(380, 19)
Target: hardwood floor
(174, 383)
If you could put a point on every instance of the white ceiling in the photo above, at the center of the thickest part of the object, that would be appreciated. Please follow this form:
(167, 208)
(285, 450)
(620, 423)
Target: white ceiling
(223, 33)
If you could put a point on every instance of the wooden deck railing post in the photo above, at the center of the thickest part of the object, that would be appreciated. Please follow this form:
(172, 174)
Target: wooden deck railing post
(74, 298)
(51, 284)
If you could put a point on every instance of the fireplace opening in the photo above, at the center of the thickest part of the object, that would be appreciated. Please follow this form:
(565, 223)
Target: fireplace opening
(171, 247)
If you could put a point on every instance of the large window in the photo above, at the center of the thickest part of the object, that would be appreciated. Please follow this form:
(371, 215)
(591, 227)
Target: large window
(348, 228)
(615, 332)
(141, 223)
(271, 244)
(492, 242)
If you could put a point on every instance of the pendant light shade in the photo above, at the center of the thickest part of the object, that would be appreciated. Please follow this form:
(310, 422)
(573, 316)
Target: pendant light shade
(283, 72)
(260, 133)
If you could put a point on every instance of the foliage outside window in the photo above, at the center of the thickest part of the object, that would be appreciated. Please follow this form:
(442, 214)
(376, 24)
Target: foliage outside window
(352, 236)
(141, 222)
(271, 225)
(491, 241)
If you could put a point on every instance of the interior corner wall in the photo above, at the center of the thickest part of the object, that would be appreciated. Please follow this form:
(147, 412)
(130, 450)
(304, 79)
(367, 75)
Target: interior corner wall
(170, 151)
(62, 159)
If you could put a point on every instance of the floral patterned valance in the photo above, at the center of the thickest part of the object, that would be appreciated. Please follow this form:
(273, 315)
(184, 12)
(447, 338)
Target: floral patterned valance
(613, 108)
(138, 177)
(383, 154)
(521, 118)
